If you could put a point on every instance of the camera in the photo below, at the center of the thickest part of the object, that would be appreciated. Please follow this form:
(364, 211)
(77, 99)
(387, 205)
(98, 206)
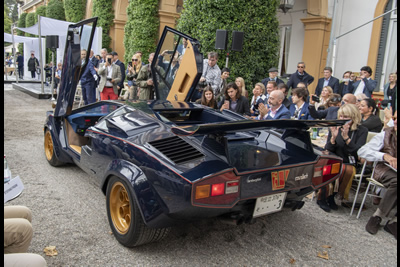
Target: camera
(169, 52)
(315, 98)
(109, 79)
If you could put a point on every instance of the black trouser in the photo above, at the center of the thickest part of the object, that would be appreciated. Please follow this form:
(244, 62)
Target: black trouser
(21, 72)
(33, 74)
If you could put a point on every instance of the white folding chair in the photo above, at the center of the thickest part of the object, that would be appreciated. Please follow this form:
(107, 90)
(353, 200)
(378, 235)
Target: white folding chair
(358, 177)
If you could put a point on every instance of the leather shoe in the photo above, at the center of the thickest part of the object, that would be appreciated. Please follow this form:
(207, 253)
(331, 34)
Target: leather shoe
(391, 228)
(376, 200)
(373, 224)
(331, 202)
(323, 205)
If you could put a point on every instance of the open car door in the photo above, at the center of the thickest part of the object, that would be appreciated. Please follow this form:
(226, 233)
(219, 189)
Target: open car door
(178, 65)
(79, 36)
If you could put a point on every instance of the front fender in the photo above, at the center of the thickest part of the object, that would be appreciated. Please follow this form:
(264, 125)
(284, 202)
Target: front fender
(151, 206)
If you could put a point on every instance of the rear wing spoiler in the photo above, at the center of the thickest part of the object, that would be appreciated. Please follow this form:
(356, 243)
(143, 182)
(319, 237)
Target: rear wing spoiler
(252, 125)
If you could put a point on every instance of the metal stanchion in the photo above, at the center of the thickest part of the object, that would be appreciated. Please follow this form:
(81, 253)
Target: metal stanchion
(52, 77)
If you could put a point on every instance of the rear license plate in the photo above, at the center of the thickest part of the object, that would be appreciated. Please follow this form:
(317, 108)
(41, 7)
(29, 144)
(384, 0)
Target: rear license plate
(269, 204)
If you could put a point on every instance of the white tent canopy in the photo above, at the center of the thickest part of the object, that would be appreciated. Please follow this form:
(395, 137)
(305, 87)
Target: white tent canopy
(49, 26)
(31, 44)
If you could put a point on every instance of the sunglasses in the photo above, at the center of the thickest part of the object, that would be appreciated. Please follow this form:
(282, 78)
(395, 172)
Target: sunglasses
(134, 59)
(336, 99)
(300, 67)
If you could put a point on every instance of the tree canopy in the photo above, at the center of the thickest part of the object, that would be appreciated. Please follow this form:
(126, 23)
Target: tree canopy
(104, 11)
(74, 10)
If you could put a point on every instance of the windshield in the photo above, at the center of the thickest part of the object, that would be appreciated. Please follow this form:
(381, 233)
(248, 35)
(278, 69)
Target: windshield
(76, 56)
(177, 64)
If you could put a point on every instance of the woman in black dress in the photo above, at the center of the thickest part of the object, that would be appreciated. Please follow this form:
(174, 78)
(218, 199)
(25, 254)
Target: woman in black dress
(368, 112)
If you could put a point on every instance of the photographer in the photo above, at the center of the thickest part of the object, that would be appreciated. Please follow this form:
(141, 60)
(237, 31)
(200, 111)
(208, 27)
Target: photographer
(211, 75)
(131, 75)
(110, 75)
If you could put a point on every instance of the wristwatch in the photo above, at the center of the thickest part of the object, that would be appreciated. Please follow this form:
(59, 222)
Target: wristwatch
(347, 139)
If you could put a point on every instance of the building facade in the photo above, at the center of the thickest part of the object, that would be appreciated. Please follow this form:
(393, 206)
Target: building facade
(307, 31)
(306, 34)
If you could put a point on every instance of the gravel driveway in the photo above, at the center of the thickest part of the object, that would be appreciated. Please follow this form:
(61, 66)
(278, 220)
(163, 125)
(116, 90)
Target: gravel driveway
(69, 212)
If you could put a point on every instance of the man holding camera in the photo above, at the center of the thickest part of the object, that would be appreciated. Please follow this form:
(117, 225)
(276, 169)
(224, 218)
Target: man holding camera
(110, 76)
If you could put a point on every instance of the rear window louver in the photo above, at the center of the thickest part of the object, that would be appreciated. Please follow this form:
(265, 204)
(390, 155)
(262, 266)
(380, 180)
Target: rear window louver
(177, 149)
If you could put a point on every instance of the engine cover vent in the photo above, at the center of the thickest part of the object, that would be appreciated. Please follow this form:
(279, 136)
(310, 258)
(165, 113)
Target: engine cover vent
(177, 149)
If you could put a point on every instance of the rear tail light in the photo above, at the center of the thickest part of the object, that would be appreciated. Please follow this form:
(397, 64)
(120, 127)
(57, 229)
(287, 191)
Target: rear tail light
(326, 170)
(222, 189)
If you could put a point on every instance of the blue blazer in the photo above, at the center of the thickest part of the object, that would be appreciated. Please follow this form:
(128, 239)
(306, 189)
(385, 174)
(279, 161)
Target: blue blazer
(283, 113)
(88, 74)
(304, 113)
(333, 83)
(370, 85)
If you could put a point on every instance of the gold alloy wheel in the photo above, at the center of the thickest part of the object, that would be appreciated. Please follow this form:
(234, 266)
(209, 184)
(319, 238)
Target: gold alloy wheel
(48, 145)
(120, 209)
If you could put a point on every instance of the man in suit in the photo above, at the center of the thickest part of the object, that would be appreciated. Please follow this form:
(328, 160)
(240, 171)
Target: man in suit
(88, 80)
(20, 61)
(94, 60)
(276, 109)
(327, 80)
(103, 54)
(271, 86)
(299, 108)
(331, 112)
(366, 85)
(346, 86)
(273, 73)
(285, 90)
(110, 75)
(120, 85)
(300, 76)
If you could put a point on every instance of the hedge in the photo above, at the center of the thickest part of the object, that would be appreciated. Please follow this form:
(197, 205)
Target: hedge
(74, 10)
(41, 11)
(257, 19)
(141, 28)
(104, 11)
(55, 10)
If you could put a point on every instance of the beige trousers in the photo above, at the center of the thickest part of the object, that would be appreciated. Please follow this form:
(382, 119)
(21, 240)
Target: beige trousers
(24, 260)
(17, 229)
(17, 238)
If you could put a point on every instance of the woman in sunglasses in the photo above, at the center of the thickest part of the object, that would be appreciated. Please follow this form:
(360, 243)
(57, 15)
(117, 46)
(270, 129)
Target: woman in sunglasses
(370, 115)
(323, 99)
(344, 142)
(131, 74)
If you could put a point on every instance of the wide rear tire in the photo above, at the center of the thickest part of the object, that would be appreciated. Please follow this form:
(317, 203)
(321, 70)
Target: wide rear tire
(124, 216)
(49, 150)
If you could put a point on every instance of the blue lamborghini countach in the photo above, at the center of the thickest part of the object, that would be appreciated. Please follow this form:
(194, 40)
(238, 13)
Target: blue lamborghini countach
(169, 160)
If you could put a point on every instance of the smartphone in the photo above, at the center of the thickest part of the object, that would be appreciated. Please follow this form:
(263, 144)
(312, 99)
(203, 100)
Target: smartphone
(130, 64)
(109, 79)
(315, 98)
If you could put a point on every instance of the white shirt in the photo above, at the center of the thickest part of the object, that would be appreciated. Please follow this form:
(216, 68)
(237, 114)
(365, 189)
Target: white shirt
(109, 75)
(371, 150)
(360, 87)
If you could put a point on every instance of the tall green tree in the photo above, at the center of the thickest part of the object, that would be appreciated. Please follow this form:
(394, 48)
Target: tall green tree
(7, 20)
(55, 10)
(104, 11)
(21, 24)
(257, 19)
(29, 21)
(74, 10)
(141, 28)
(40, 11)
